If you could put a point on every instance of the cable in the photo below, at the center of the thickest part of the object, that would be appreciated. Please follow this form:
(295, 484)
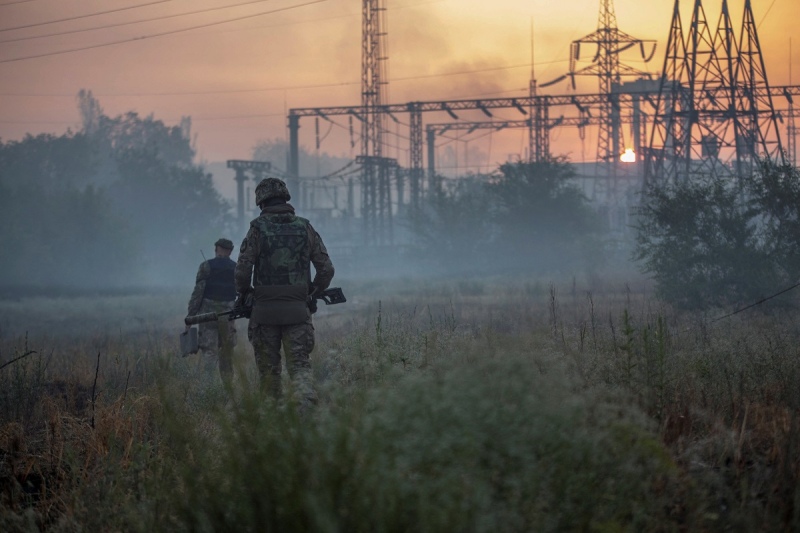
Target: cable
(86, 16)
(17, 2)
(507, 67)
(758, 302)
(167, 119)
(118, 24)
(255, 90)
(195, 93)
(765, 14)
(163, 33)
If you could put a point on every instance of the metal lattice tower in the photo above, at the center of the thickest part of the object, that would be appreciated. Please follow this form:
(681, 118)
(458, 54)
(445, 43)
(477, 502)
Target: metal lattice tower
(607, 67)
(375, 192)
(761, 124)
(715, 114)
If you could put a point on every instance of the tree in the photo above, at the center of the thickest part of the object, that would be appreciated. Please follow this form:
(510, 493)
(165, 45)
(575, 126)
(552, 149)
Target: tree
(545, 220)
(118, 204)
(454, 228)
(526, 216)
(57, 230)
(718, 242)
(175, 211)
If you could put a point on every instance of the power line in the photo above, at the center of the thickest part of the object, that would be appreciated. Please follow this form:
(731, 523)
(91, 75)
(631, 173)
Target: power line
(194, 119)
(17, 2)
(86, 16)
(765, 14)
(193, 93)
(283, 88)
(458, 73)
(118, 24)
(235, 19)
(758, 302)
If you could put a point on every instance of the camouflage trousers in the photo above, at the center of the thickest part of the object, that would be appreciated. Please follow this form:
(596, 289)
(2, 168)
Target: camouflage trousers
(217, 339)
(298, 342)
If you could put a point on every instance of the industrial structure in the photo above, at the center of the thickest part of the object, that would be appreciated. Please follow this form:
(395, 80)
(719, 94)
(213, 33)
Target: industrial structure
(715, 113)
(711, 109)
(255, 170)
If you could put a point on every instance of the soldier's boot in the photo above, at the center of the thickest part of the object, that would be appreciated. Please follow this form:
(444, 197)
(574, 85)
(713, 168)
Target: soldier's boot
(303, 394)
(272, 385)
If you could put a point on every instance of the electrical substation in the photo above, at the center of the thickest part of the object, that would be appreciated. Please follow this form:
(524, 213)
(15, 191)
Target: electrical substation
(708, 109)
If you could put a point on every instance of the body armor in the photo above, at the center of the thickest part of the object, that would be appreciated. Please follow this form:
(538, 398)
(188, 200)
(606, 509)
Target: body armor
(219, 284)
(282, 275)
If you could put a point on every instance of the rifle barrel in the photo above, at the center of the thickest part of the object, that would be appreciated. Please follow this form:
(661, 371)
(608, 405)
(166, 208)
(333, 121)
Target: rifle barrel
(199, 319)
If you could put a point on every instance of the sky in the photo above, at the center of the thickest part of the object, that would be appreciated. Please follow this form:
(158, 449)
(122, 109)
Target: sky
(237, 71)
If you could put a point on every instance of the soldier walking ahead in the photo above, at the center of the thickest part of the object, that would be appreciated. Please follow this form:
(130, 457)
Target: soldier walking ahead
(276, 256)
(215, 292)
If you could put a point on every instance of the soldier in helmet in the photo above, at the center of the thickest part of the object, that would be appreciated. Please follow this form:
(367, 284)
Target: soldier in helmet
(274, 264)
(215, 292)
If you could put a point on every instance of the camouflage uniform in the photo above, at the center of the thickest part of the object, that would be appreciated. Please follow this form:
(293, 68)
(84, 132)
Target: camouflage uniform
(211, 296)
(276, 256)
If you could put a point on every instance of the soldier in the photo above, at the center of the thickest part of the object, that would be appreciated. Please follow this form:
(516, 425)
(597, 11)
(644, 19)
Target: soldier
(276, 256)
(214, 291)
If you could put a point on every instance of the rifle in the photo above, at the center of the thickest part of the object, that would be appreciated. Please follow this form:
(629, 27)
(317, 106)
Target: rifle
(329, 296)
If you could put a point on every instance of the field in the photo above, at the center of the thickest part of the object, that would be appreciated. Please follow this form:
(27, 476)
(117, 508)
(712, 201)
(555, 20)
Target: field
(445, 405)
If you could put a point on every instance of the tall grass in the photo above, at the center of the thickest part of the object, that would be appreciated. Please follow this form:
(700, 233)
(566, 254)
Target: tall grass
(471, 405)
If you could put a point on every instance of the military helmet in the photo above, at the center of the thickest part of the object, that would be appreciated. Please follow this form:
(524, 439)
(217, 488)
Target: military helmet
(270, 188)
(224, 243)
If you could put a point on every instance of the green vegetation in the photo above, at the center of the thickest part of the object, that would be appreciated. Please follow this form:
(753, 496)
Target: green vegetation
(506, 219)
(471, 405)
(712, 241)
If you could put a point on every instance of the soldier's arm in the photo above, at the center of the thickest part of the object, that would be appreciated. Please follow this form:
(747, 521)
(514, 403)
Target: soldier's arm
(199, 288)
(248, 251)
(320, 259)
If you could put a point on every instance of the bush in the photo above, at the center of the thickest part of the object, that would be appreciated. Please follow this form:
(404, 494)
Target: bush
(712, 241)
(525, 216)
(493, 445)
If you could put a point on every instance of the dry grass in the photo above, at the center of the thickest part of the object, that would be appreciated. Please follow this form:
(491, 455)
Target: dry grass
(695, 421)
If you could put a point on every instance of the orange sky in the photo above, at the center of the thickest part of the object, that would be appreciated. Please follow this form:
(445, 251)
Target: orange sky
(236, 80)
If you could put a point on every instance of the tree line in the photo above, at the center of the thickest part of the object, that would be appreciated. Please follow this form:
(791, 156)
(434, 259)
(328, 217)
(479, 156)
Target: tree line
(119, 204)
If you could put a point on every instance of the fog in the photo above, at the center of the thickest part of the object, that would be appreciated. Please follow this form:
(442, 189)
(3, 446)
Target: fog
(121, 206)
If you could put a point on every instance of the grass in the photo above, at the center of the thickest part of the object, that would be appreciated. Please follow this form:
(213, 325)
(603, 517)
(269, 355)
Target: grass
(464, 405)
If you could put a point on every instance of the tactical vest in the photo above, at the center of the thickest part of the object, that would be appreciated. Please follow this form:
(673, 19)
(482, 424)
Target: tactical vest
(220, 285)
(281, 274)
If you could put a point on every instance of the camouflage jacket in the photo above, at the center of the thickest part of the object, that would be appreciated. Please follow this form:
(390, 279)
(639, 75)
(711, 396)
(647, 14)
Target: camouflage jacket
(196, 300)
(249, 253)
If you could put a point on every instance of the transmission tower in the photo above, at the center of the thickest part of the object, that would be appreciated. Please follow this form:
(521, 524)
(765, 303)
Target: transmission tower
(715, 113)
(609, 42)
(375, 190)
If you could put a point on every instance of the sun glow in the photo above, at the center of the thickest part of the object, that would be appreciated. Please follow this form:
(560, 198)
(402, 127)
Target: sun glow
(629, 156)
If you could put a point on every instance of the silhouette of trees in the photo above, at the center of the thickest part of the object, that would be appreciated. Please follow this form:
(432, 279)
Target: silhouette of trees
(712, 241)
(120, 203)
(525, 216)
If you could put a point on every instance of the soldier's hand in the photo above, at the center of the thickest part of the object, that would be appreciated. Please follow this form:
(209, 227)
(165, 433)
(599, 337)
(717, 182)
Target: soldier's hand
(243, 298)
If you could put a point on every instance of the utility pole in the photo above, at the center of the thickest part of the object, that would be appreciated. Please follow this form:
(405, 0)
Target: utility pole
(375, 175)
(259, 169)
(609, 42)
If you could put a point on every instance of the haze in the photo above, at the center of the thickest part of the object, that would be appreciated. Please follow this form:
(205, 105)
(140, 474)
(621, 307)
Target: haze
(237, 80)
